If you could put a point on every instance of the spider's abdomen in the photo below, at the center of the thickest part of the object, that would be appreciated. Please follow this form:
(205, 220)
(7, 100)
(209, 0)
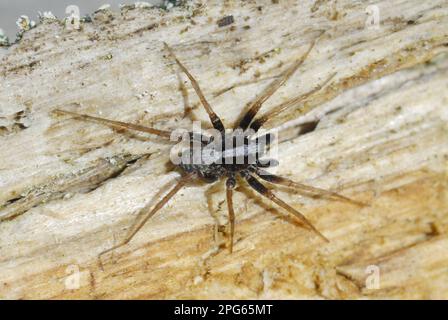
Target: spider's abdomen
(208, 172)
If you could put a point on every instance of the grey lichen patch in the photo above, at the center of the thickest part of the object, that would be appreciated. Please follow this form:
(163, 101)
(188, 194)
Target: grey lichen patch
(47, 16)
(24, 23)
(169, 4)
(104, 7)
(136, 5)
(104, 15)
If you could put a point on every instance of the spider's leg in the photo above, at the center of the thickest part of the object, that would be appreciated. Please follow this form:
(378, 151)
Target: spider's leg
(148, 215)
(266, 138)
(305, 190)
(257, 123)
(264, 191)
(270, 90)
(230, 184)
(116, 124)
(216, 121)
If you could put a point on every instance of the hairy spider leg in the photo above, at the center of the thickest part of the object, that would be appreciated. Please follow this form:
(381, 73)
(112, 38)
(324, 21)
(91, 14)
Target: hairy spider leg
(303, 189)
(264, 191)
(230, 185)
(216, 121)
(149, 214)
(116, 124)
(270, 90)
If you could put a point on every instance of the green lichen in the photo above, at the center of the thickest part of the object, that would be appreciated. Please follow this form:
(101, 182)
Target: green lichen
(86, 19)
(25, 24)
(46, 16)
(4, 40)
(169, 4)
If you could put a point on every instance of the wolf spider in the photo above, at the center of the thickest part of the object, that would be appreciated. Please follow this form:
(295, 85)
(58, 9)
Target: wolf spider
(251, 171)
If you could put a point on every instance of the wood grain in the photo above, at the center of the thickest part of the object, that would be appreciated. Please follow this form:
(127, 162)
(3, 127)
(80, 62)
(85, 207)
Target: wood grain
(72, 189)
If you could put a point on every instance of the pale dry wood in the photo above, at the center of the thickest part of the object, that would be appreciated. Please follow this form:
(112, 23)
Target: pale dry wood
(71, 189)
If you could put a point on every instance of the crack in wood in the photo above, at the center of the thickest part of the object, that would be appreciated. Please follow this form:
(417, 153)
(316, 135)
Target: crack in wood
(84, 181)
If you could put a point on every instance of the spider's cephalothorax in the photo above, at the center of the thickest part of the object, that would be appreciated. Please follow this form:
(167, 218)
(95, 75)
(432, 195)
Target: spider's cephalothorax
(227, 155)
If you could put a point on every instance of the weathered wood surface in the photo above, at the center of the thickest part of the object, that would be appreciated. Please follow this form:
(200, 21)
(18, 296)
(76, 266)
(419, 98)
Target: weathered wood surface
(71, 189)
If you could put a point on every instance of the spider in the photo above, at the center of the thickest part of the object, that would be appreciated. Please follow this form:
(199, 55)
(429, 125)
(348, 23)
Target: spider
(251, 170)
